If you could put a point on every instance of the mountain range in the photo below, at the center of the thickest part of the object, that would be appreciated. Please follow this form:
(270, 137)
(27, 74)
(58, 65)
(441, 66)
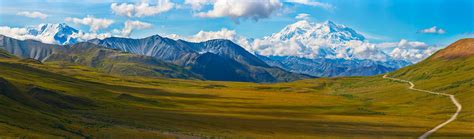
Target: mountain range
(219, 60)
(325, 49)
(321, 49)
(213, 59)
(103, 59)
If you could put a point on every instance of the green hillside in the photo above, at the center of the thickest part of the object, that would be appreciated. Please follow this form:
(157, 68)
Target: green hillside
(52, 100)
(116, 62)
(449, 71)
(5, 54)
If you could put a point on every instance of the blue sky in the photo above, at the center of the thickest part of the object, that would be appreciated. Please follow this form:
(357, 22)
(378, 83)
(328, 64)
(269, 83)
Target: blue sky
(380, 20)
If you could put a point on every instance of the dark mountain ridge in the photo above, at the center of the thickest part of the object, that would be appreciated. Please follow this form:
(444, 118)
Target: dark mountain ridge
(218, 59)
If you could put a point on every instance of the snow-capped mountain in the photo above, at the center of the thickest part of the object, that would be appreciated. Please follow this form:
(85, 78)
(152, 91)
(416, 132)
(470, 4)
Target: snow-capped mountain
(53, 33)
(319, 40)
(305, 30)
(324, 49)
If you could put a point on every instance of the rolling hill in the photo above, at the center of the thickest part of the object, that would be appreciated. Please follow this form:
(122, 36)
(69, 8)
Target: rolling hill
(450, 71)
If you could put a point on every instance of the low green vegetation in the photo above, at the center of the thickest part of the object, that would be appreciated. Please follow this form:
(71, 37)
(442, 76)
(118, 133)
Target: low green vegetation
(64, 100)
(77, 100)
(452, 76)
(5, 54)
(118, 63)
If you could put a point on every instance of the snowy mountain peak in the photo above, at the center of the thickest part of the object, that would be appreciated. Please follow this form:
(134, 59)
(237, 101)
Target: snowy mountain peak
(329, 22)
(54, 33)
(319, 40)
(300, 24)
(327, 30)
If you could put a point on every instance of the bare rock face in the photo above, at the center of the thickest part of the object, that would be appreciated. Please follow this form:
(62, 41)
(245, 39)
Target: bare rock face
(27, 48)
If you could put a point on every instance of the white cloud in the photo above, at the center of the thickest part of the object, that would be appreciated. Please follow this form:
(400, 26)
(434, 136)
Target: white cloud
(433, 30)
(14, 32)
(312, 3)
(94, 23)
(84, 36)
(413, 51)
(221, 34)
(130, 26)
(290, 47)
(236, 9)
(123, 9)
(403, 43)
(198, 4)
(413, 55)
(33, 14)
(303, 16)
(366, 50)
(142, 9)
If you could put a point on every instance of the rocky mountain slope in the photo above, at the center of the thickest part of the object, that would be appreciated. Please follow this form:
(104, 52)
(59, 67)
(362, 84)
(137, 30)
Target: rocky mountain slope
(333, 67)
(103, 59)
(213, 60)
(220, 60)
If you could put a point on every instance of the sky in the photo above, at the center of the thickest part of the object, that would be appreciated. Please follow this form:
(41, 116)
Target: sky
(435, 22)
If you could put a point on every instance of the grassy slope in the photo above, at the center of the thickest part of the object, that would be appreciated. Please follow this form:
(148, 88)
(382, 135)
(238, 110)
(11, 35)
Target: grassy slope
(5, 54)
(454, 76)
(135, 107)
(115, 62)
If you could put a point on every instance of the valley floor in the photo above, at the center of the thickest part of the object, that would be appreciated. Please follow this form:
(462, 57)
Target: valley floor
(132, 107)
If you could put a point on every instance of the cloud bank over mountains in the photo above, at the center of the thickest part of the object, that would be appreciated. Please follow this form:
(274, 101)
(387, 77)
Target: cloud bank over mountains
(94, 23)
(320, 40)
(303, 39)
(132, 25)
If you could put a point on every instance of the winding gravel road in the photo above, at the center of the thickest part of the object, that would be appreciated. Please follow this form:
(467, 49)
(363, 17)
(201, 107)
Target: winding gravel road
(453, 99)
